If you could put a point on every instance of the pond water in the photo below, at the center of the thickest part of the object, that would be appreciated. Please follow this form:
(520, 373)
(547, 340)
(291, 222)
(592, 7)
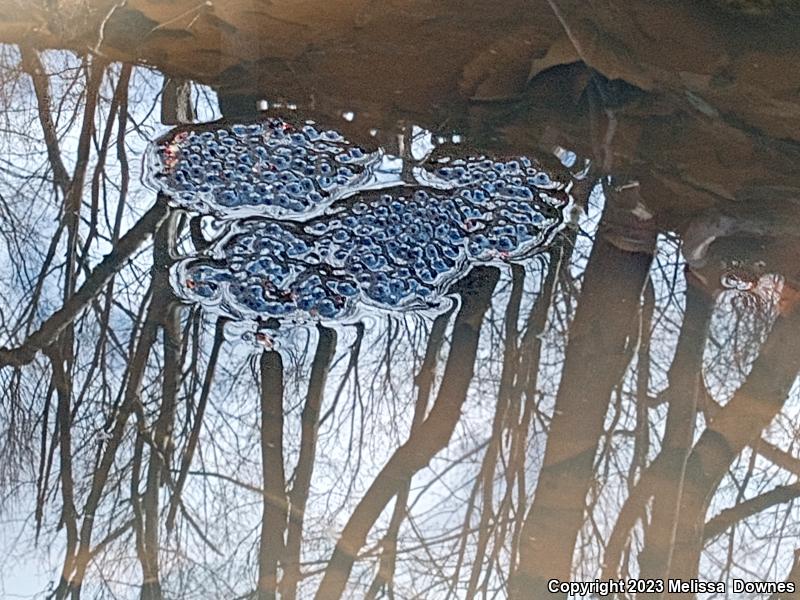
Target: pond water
(400, 302)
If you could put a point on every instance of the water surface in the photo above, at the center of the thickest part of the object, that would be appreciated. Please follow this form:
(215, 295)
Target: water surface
(296, 304)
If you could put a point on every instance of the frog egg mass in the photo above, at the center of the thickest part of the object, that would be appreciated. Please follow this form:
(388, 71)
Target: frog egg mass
(270, 168)
(302, 237)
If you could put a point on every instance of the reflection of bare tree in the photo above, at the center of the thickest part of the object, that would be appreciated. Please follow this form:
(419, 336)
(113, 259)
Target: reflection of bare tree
(662, 478)
(98, 279)
(596, 359)
(383, 581)
(669, 467)
(544, 430)
(298, 495)
(431, 436)
(740, 423)
(273, 520)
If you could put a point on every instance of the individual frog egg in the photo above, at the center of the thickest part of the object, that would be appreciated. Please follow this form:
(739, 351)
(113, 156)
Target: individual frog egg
(311, 133)
(295, 205)
(340, 236)
(363, 230)
(281, 200)
(332, 136)
(441, 265)
(479, 196)
(421, 197)
(239, 130)
(480, 241)
(359, 208)
(538, 219)
(426, 275)
(522, 192)
(316, 293)
(255, 130)
(306, 185)
(327, 309)
(297, 248)
(193, 159)
(431, 251)
(261, 153)
(504, 243)
(287, 177)
(394, 230)
(450, 252)
(294, 189)
(263, 189)
(441, 233)
(279, 162)
(317, 228)
(346, 288)
(541, 180)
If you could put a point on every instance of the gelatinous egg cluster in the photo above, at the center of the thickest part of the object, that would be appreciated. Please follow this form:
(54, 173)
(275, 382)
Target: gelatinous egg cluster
(389, 250)
(517, 178)
(270, 167)
(304, 232)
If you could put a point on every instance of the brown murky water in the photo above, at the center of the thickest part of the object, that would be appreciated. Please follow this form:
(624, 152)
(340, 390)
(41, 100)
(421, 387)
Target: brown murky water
(405, 300)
